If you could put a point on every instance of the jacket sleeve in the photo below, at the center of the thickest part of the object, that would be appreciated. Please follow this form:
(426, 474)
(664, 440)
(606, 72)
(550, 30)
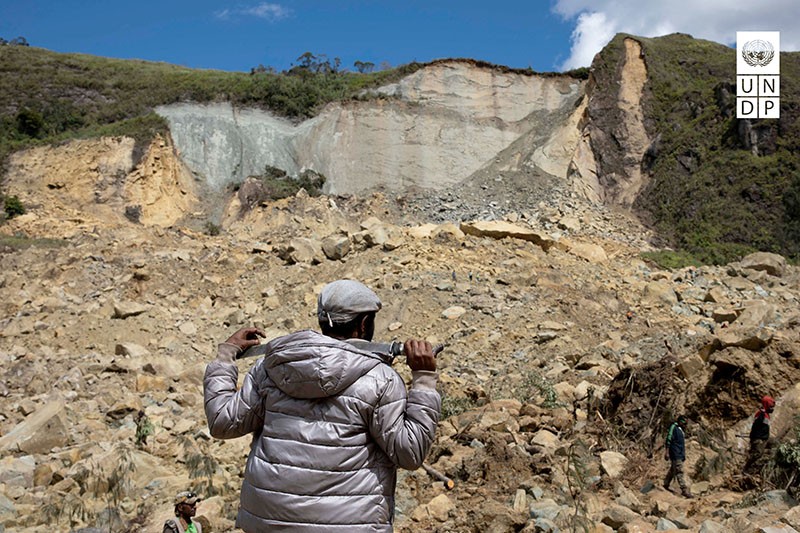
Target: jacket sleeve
(403, 425)
(231, 413)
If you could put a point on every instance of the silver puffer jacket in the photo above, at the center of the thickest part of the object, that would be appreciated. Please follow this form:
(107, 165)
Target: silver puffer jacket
(331, 423)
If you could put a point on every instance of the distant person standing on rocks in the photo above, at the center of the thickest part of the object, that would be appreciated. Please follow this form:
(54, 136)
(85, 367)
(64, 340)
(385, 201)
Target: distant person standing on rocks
(675, 451)
(759, 435)
(331, 420)
(144, 428)
(185, 509)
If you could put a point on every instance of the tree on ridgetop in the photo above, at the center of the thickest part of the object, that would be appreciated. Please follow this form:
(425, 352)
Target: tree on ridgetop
(317, 64)
(364, 67)
(306, 61)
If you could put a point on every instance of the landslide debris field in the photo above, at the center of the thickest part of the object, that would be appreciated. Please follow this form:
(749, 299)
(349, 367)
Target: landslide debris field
(567, 356)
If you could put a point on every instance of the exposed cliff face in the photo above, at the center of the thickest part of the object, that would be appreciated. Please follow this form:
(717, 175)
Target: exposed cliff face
(161, 186)
(608, 160)
(95, 182)
(432, 129)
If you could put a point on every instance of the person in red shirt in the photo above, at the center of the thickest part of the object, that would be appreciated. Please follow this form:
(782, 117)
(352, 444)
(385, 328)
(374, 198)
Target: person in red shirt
(759, 436)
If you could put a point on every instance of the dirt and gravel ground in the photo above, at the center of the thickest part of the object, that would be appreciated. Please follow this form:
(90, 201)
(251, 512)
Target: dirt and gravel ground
(553, 357)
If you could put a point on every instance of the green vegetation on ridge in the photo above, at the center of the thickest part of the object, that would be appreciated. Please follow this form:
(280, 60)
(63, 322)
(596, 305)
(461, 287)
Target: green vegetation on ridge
(48, 97)
(720, 187)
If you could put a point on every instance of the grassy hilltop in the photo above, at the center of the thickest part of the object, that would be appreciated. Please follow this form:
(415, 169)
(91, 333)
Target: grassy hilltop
(47, 96)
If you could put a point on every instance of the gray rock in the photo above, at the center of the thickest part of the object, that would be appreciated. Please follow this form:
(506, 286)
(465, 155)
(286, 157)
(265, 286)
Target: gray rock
(778, 498)
(17, 471)
(546, 508)
(692, 294)
(665, 525)
(543, 525)
(7, 508)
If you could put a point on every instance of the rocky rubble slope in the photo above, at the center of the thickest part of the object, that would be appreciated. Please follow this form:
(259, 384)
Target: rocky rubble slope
(566, 356)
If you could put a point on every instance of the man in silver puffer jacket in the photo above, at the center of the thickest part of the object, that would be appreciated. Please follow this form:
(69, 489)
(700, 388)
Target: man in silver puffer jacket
(331, 420)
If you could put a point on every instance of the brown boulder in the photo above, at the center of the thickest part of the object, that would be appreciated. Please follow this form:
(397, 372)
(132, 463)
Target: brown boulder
(40, 432)
(498, 229)
(772, 264)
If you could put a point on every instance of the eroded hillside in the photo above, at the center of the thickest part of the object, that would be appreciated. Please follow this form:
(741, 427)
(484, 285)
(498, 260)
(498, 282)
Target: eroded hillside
(567, 354)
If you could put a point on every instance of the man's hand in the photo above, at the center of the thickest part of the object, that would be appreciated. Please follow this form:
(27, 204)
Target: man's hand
(245, 338)
(231, 349)
(419, 355)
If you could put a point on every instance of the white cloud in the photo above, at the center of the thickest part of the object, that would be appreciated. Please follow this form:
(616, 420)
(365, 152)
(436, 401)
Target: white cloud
(264, 10)
(597, 21)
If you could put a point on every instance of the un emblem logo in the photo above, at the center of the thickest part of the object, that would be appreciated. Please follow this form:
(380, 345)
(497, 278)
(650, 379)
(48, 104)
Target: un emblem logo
(758, 53)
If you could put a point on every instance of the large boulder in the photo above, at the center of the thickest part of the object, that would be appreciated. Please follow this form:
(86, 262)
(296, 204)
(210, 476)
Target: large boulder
(40, 432)
(593, 253)
(336, 246)
(616, 516)
(784, 417)
(772, 264)
(499, 229)
(301, 250)
(613, 463)
(659, 293)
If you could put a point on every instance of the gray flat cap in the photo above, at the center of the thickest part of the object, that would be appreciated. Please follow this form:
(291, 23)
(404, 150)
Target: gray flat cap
(343, 300)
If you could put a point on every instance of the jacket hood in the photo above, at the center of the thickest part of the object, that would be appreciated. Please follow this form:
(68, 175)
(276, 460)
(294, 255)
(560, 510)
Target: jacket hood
(309, 365)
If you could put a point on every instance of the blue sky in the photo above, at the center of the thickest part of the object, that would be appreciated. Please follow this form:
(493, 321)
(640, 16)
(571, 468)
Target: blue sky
(237, 35)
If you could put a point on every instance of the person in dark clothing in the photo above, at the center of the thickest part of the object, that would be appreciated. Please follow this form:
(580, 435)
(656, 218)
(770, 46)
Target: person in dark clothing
(675, 451)
(759, 435)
